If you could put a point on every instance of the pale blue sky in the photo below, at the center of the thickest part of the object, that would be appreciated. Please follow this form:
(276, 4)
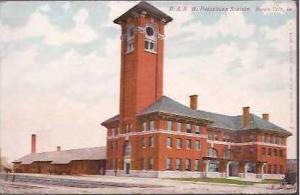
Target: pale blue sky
(60, 67)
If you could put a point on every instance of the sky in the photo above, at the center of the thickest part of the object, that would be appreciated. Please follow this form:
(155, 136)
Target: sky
(60, 66)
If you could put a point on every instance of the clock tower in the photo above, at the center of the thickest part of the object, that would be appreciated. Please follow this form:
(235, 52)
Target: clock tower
(142, 48)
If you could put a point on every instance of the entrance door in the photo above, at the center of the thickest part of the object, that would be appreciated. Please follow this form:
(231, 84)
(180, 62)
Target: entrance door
(233, 169)
(127, 168)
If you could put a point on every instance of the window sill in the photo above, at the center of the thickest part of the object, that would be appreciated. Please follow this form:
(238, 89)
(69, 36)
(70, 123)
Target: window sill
(128, 52)
(150, 51)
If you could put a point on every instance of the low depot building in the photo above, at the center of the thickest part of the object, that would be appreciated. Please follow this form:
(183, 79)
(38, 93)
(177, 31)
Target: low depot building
(75, 161)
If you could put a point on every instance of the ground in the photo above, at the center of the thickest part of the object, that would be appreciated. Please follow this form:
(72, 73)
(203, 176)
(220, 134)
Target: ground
(50, 184)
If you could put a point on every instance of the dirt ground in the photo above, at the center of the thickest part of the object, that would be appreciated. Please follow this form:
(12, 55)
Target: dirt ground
(47, 184)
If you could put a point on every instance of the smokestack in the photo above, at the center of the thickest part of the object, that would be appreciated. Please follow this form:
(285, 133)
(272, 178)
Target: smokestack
(58, 148)
(265, 116)
(194, 102)
(246, 116)
(33, 143)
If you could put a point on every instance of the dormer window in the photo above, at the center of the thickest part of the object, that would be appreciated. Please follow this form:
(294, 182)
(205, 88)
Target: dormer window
(150, 39)
(130, 39)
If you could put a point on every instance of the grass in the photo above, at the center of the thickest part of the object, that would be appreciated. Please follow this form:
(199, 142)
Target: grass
(228, 181)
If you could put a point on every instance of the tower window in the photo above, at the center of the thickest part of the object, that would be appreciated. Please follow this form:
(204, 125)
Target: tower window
(150, 39)
(130, 39)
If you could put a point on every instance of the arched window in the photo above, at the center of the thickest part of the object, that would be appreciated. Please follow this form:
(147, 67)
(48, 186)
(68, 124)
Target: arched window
(130, 38)
(212, 152)
(150, 38)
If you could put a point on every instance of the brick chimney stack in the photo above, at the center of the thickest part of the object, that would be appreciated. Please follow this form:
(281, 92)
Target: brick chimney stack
(246, 117)
(265, 116)
(33, 143)
(194, 102)
(58, 148)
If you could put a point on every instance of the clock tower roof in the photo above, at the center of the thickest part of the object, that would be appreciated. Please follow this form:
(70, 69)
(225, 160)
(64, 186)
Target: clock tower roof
(149, 9)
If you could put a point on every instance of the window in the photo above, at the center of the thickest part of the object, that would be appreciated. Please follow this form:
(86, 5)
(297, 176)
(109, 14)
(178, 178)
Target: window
(274, 169)
(179, 127)
(251, 167)
(150, 163)
(252, 150)
(282, 141)
(275, 152)
(270, 151)
(212, 152)
(113, 130)
(215, 136)
(152, 125)
(169, 142)
(188, 128)
(277, 140)
(143, 144)
(252, 138)
(197, 145)
(280, 153)
(188, 164)
(197, 129)
(274, 140)
(178, 164)
(150, 39)
(266, 138)
(169, 164)
(188, 144)
(130, 39)
(151, 141)
(213, 166)
(263, 151)
(142, 164)
(227, 153)
(144, 126)
(169, 125)
(269, 169)
(210, 135)
(197, 165)
(179, 143)
(127, 148)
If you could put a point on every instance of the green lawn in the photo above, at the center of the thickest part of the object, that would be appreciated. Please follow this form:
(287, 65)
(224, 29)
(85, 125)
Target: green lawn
(228, 181)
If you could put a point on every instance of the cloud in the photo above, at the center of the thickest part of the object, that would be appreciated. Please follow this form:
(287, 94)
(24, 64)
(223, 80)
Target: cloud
(38, 25)
(281, 37)
(66, 6)
(44, 8)
(273, 7)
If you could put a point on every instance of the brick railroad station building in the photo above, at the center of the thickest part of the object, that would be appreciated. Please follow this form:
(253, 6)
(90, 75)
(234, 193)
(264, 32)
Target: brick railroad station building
(155, 136)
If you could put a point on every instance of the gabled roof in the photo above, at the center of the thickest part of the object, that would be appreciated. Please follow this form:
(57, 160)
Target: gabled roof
(144, 6)
(169, 106)
(112, 119)
(235, 122)
(65, 156)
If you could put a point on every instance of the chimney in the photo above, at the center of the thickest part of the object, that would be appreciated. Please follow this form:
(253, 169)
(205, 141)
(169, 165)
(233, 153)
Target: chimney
(194, 102)
(246, 116)
(58, 148)
(33, 143)
(265, 116)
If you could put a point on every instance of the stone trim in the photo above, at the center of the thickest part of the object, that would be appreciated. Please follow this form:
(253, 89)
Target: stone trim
(157, 131)
(244, 144)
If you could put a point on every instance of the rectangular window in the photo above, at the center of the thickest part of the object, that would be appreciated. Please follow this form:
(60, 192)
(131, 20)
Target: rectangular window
(197, 145)
(147, 45)
(150, 163)
(130, 46)
(252, 138)
(210, 135)
(169, 125)
(113, 130)
(251, 150)
(169, 142)
(197, 165)
(274, 169)
(275, 152)
(280, 153)
(263, 151)
(197, 129)
(179, 143)
(178, 164)
(188, 128)
(144, 126)
(188, 164)
(269, 169)
(151, 141)
(270, 151)
(169, 164)
(188, 144)
(152, 125)
(179, 127)
(143, 144)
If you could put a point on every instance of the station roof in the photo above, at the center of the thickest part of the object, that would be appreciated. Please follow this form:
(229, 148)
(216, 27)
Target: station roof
(65, 156)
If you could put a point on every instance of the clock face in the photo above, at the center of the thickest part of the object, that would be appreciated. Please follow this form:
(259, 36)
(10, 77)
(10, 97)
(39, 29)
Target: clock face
(149, 31)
